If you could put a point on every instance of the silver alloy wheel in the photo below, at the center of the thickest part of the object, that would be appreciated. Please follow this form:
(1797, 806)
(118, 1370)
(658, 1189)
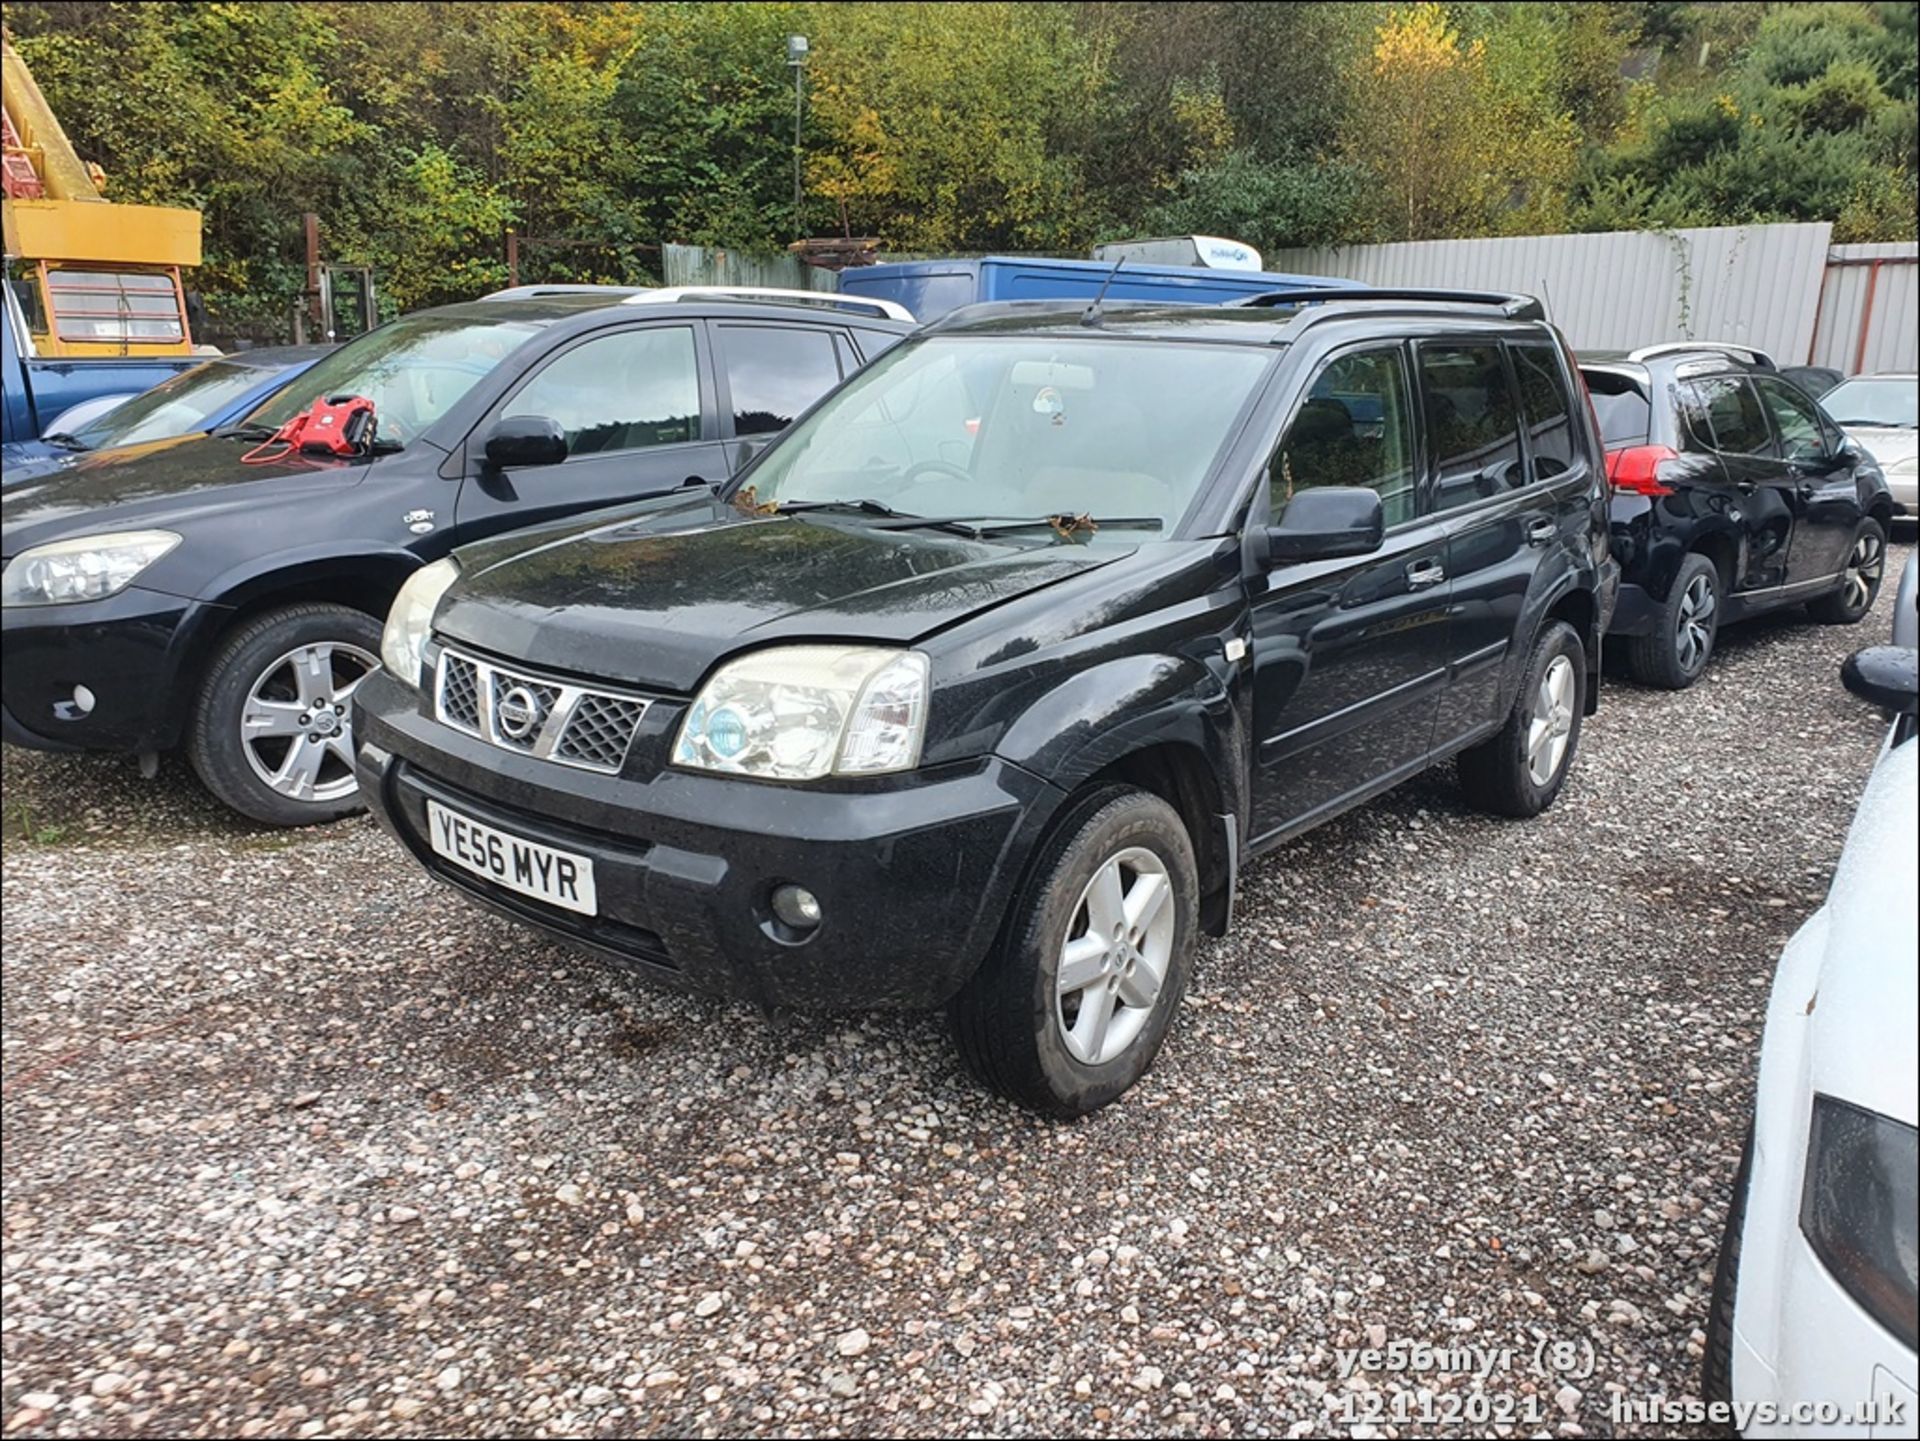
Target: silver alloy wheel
(297, 725)
(1114, 962)
(1693, 631)
(1550, 730)
(1864, 568)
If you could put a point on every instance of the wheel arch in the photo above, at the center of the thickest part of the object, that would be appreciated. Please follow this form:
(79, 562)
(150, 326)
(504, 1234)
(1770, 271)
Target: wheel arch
(366, 583)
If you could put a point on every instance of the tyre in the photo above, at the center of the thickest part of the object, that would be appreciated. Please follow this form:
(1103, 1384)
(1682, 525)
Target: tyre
(1672, 657)
(1716, 1365)
(1860, 582)
(1071, 1008)
(1521, 768)
(272, 733)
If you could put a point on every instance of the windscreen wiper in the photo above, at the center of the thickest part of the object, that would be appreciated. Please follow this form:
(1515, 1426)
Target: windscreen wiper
(865, 507)
(1065, 525)
(245, 432)
(66, 441)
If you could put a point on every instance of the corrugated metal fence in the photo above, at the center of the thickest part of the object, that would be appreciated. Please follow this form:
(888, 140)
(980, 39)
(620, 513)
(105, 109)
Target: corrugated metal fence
(699, 265)
(1869, 308)
(1782, 288)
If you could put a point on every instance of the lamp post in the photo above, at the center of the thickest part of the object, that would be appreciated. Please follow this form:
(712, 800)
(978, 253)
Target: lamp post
(797, 62)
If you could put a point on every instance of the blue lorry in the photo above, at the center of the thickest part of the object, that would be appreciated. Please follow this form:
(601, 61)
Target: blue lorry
(930, 288)
(37, 390)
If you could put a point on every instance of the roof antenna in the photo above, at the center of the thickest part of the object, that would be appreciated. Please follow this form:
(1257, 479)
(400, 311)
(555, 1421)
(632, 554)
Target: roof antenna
(1091, 315)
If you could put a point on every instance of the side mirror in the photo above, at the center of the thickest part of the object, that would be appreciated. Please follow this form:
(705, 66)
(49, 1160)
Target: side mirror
(1886, 675)
(526, 440)
(1325, 522)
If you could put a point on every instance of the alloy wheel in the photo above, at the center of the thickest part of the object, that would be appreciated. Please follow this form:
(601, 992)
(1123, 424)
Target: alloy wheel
(1115, 960)
(1693, 631)
(297, 728)
(1864, 569)
(1550, 729)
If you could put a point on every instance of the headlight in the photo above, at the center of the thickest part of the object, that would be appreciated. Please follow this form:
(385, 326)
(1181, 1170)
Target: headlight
(412, 617)
(800, 712)
(89, 567)
(1858, 1208)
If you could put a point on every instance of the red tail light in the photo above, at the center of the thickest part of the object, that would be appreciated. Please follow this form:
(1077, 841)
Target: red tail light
(1637, 469)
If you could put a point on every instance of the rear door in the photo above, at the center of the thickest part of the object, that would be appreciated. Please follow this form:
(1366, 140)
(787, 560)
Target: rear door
(637, 409)
(1826, 498)
(1348, 654)
(1754, 496)
(1511, 481)
(770, 373)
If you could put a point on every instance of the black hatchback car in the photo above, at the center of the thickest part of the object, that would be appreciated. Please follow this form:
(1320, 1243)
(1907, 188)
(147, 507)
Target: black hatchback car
(1733, 494)
(985, 681)
(211, 592)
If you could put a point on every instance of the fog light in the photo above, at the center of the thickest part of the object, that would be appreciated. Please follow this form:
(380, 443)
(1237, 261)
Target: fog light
(77, 708)
(796, 906)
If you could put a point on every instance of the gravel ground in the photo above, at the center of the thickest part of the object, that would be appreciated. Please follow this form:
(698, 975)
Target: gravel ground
(296, 1142)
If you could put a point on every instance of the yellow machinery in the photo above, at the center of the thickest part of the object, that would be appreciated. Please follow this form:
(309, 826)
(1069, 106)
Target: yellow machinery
(92, 277)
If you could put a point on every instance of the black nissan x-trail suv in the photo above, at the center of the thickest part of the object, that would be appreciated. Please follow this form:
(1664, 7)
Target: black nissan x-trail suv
(983, 683)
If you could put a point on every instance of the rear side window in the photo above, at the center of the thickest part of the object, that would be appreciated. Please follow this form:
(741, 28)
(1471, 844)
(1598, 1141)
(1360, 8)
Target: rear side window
(1621, 407)
(1547, 408)
(1723, 413)
(775, 372)
(1473, 423)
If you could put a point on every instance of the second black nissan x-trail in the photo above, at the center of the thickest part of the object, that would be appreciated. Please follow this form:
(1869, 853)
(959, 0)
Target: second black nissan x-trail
(979, 688)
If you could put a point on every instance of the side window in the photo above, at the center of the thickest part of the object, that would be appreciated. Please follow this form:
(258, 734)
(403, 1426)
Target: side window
(1795, 418)
(1352, 429)
(1723, 413)
(624, 391)
(1473, 425)
(1547, 407)
(775, 372)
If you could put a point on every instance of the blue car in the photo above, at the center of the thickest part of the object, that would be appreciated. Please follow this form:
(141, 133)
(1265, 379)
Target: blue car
(203, 398)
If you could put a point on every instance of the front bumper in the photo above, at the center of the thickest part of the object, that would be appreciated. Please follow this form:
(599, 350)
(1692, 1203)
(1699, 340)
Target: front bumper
(913, 874)
(128, 650)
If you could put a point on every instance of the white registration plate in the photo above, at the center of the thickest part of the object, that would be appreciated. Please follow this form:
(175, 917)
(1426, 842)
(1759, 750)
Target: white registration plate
(560, 878)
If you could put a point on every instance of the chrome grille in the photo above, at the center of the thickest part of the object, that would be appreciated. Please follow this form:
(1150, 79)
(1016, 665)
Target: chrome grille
(535, 715)
(598, 734)
(459, 693)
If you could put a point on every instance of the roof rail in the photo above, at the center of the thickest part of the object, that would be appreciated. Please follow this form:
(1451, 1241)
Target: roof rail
(1753, 355)
(828, 299)
(1509, 304)
(538, 292)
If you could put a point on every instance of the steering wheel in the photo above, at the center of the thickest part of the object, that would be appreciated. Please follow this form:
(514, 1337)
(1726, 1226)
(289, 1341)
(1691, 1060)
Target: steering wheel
(939, 467)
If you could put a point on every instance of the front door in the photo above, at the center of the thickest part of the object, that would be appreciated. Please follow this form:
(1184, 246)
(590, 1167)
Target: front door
(1825, 496)
(1349, 655)
(1755, 493)
(635, 411)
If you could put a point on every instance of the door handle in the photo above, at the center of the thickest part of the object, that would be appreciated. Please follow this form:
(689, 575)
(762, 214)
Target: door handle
(1745, 487)
(1541, 532)
(1422, 574)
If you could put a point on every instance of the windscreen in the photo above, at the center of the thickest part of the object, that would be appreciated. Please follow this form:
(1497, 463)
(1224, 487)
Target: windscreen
(413, 370)
(174, 406)
(1888, 403)
(1013, 427)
